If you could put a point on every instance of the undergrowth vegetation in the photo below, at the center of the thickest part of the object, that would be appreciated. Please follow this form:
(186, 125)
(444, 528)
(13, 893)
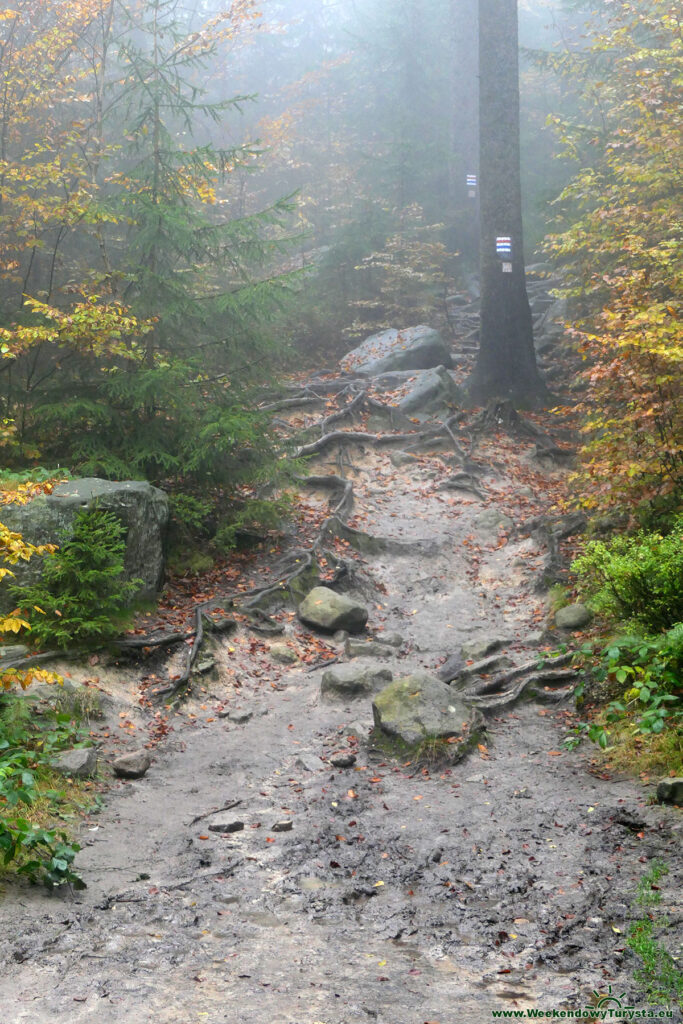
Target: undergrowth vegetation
(659, 976)
(634, 583)
(28, 743)
(82, 597)
(636, 577)
(617, 246)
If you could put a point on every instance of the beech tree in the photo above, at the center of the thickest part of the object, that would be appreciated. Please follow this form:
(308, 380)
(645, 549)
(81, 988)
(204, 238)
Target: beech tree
(619, 248)
(506, 363)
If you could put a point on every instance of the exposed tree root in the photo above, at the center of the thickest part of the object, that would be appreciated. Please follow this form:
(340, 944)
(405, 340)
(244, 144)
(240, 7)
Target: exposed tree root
(413, 439)
(353, 406)
(324, 388)
(39, 659)
(292, 403)
(368, 544)
(508, 687)
(138, 643)
(179, 684)
(335, 483)
(463, 482)
(350, 437)
(216, 810)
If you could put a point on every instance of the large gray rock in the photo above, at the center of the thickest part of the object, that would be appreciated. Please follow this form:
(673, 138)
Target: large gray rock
(283, 654)
(478, 649)
(327, 610)
(132, 765)
(430, 390)
(12, 652)
(491, 520)
(574, 616)
(451, 668)
(309, 762)
(49, 519)
(414, 348)
(79, 763)
(420, 707)
(368, 649)
(348, 682)
(670, 791)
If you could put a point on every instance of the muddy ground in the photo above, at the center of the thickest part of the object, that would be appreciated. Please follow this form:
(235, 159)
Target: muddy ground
(404, 893)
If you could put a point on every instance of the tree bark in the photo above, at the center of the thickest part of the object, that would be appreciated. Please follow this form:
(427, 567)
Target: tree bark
(506, 363)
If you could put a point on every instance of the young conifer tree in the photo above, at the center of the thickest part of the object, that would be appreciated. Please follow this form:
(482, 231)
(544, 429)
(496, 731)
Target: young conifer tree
(209, 281)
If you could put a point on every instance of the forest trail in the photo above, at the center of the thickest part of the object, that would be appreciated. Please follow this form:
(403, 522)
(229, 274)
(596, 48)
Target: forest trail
(403, 893)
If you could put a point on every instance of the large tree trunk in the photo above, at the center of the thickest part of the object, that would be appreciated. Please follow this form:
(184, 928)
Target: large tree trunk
(506, 364)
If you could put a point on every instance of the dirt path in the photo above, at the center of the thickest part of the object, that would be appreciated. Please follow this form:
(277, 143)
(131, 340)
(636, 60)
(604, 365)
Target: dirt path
(402, 894)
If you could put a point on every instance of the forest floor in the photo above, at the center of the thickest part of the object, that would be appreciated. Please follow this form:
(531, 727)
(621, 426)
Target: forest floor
(414, 892)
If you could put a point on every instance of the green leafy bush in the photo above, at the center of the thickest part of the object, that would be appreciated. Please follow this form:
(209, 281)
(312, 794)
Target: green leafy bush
(82, 596)
(652, 670)
(26, 750)
(638, 577)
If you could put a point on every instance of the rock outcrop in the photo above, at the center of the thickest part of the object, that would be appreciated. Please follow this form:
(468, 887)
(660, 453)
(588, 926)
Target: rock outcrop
(430, 390)
(49, 519)
(415, 348)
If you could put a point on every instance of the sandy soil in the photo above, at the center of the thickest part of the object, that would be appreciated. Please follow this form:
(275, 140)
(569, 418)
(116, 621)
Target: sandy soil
(403, 893)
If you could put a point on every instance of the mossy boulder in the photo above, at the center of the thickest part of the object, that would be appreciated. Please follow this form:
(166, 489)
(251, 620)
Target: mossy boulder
(143, 511)
(670, 791)
(420, 708)
(573, 616)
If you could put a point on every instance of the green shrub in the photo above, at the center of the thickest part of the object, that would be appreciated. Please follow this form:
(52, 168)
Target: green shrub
(257, 516)
(27, 746)
(45, 854)
(82, 596)
(189, 514)
(649, 669)
(659, 976)
(638, 577)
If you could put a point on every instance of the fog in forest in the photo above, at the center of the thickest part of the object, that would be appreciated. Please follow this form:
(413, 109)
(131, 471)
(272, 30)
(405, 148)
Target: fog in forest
(341, 511)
